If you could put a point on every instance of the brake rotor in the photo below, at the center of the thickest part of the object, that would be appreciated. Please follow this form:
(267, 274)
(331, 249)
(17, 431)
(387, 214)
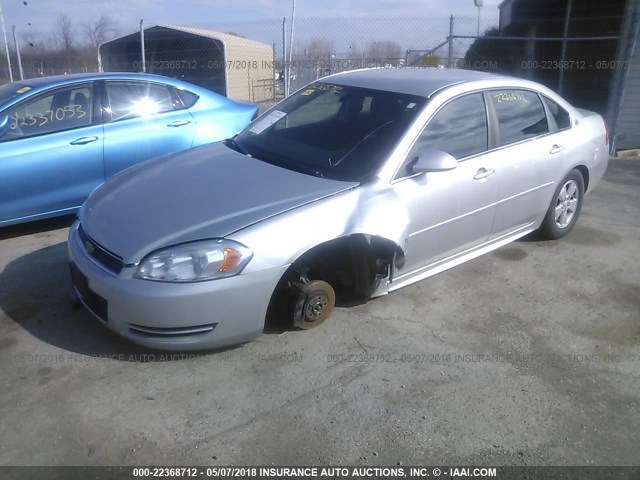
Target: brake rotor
(314, 305)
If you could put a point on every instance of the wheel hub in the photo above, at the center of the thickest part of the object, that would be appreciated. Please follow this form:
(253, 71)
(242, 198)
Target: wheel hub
(315, 307)
(564, 211)
(315, 301)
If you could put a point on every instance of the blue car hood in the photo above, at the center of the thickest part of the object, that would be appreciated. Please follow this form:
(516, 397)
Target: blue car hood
(206, 192)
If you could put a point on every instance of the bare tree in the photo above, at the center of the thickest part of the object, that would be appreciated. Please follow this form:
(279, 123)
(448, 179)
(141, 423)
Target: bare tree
(320, 48)
(36, 50)
(34, 40)
(385, 50)
(99, 31)
(64, 33)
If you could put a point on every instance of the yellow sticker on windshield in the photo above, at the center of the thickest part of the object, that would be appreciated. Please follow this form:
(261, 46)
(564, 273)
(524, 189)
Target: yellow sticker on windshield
(23, 89)
(308, 92)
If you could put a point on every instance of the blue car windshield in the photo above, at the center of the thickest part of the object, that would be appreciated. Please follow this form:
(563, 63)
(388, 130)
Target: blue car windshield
(12, 90)
(334, 131)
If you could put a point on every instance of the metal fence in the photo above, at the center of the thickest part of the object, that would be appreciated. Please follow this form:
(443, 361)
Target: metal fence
(43, 62)
(315, 47)
(319, 46)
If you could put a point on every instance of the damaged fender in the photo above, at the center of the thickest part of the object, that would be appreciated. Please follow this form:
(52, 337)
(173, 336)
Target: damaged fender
(282, 239)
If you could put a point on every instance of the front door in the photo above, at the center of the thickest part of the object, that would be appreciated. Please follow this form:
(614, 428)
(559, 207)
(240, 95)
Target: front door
(451, 211)
(51, 159)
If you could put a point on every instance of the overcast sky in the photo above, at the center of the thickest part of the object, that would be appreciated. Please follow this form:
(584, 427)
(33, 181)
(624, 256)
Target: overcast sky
(41, 14)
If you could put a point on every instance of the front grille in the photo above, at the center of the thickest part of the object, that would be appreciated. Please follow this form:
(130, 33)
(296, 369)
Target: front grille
(94, 302)
(158, 332)
(104, 257)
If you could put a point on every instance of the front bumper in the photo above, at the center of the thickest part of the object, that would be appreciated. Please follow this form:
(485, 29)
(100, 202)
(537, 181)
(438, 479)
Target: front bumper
(173, 316)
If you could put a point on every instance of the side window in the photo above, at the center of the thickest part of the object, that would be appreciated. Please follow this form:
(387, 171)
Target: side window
(459, 128)
(187, 98)
(60, 110)
(137, 99)
(520, 115)
(559, 114)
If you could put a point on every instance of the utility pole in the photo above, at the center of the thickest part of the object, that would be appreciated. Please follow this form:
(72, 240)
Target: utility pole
(478, 3)
(6, 46)
(285, 65)
(142, 54)
(15, 41)
(563, 54)
(450, 40)
(293, 19)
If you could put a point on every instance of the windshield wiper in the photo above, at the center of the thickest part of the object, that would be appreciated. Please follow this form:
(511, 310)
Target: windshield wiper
(332, 164)
(296, 166)
(233, 144)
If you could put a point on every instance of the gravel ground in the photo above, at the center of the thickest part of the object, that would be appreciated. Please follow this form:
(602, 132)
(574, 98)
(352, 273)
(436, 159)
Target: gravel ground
(529, 356)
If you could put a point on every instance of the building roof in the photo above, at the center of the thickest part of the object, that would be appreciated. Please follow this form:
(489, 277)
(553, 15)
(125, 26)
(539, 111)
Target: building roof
(228, 39)
(504, 3)
(412, 81)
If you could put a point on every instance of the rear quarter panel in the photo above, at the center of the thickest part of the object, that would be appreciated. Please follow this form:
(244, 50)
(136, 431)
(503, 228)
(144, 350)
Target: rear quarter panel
(590, 136)
(221, 121)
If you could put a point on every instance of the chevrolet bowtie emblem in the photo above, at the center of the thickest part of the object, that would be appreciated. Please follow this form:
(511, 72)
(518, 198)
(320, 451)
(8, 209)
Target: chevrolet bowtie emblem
(89, 246)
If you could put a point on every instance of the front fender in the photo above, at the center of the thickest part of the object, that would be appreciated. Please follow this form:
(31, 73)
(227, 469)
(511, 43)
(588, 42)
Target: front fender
(282, 239)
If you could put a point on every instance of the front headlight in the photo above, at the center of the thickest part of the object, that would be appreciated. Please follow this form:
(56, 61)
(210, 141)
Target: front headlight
(195, 262)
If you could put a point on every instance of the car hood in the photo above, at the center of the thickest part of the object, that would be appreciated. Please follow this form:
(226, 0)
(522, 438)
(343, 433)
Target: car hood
(206, 192)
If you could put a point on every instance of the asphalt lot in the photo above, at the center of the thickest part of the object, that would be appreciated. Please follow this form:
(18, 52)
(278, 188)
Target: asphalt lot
(529, 355)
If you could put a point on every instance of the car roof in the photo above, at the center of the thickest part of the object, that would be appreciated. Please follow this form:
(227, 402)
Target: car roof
(413, 81)
(38, 82)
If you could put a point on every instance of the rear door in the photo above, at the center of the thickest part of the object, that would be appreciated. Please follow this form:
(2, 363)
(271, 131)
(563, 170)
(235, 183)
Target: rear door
(523, 160)
(51, 158)
(144, 120)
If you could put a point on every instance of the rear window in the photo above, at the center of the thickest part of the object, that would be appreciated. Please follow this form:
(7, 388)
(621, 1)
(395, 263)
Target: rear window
(128, 99)
(559, 114)
(187, 98)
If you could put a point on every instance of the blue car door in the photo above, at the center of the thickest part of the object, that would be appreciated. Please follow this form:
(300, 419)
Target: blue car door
(144, 120)
(52, 156)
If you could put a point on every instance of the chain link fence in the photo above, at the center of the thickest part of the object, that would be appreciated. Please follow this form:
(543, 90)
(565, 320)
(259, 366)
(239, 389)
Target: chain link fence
(262, 61)
(323, 46)
(43, 62)
(319, 47)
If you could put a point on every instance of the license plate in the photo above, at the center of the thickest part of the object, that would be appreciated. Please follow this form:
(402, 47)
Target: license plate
(79, 280)
(94, 302)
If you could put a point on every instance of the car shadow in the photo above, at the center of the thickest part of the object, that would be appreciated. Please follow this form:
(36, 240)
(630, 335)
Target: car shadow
(35, 294)
(39, 226)
(534, 237)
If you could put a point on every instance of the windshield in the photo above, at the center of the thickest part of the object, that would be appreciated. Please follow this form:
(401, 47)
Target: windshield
(11, 90)
(334, 131)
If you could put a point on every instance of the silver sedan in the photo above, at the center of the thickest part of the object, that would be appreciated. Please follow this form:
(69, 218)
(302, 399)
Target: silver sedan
(355, 186)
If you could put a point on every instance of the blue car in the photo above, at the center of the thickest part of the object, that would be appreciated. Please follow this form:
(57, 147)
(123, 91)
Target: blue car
(62, 136)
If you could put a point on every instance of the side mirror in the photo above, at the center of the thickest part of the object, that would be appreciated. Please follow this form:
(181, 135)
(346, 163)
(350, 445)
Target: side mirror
(434, 161)
(5, 124)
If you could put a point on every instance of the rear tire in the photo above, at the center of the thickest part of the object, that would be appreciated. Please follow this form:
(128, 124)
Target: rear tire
(565, 207)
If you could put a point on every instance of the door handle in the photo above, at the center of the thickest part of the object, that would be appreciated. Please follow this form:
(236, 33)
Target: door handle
(556, 149)
(484, 173)
(178, 123)
(83, 140)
